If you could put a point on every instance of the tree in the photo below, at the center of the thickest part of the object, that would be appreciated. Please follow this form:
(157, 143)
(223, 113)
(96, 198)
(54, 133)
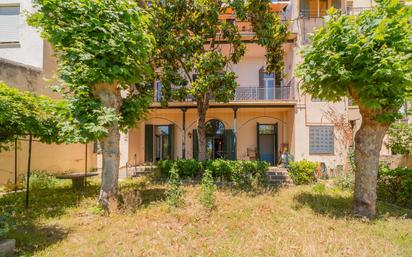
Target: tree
(103, 49)
(369, 59)
(194, 49)
(24, 113)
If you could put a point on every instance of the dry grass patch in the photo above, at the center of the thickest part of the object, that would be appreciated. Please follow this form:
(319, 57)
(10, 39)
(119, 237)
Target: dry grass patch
(296, 221)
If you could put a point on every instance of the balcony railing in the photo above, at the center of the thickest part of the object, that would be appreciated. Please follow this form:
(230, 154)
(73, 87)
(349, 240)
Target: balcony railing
(259, 93)
(284, 92)
(356, 10)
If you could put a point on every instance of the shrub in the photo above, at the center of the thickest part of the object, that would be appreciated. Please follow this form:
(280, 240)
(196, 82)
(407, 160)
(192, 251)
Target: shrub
(7, 223)
(346, 180)
(175, 194)
(41, 180)
(249, 175)
(400, 138)
(244, 175)
(302, 172)
(207, 191)
(163, 169)
(187, 169)
(395, 186)
(221, 170)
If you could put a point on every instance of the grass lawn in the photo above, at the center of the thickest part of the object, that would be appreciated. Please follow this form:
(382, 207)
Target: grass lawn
(295, 221)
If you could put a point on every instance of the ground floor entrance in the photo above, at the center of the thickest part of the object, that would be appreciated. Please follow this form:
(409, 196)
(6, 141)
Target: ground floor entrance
(267, 139)
(232, 134)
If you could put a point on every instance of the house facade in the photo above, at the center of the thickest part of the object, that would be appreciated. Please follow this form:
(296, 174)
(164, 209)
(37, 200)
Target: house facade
(268, 115)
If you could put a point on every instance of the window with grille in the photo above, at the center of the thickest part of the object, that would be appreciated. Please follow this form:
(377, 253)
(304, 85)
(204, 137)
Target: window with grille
(9, 24)
(321, 140)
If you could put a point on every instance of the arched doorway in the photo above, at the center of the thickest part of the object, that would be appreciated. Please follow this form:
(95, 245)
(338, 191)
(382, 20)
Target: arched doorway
(215, 130)
(220, 141)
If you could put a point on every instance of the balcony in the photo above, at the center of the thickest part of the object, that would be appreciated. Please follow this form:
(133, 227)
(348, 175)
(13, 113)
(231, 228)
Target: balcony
(255, 93)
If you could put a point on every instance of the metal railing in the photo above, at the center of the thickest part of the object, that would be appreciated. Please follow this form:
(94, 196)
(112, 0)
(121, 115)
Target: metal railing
(284, 92)
(356, 10)
(259, 93)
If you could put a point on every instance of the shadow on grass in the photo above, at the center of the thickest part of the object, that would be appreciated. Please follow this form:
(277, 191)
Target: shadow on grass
(150, 195)
(32, 237)
(30, 234)
(339, 206)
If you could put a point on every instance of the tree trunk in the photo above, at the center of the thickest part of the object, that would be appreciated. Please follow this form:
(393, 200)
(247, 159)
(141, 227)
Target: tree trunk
(201, 131)
(110, 97)
(368, 143)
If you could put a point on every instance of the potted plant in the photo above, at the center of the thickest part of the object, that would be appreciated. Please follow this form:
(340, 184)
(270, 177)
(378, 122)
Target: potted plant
(7, 246)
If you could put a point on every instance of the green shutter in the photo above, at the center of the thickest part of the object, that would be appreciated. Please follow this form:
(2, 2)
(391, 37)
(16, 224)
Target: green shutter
(195, 149)
(257, 142)
(276, 144)
(171, 141)
(148, 143)
(229, 144)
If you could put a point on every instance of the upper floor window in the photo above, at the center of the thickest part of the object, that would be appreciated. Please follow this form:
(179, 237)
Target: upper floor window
(9, 24)
(158, 89)
(317, 8)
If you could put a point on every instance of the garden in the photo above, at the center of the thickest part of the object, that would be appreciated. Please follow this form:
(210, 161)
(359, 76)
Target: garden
(172, 212)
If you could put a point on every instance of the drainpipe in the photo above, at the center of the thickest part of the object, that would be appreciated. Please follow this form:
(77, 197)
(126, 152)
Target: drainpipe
(184, 132)
(235, 108)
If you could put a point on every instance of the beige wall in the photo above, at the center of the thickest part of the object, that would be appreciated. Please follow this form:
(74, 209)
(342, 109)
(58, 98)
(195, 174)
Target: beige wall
(50, 158)
(247, 118)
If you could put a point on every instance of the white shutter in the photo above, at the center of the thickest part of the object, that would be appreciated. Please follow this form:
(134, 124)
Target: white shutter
(9, 24)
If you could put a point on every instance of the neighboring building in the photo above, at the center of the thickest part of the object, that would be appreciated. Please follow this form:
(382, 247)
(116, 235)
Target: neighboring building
(268, 114)
(26, 62)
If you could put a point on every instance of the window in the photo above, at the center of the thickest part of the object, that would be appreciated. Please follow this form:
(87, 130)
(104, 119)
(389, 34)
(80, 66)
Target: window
(321, 140)
(9, 24)
(266, 129)
(317, 8)
(158, 91)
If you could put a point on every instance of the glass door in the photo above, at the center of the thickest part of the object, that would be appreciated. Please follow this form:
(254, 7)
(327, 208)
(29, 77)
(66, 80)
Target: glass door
(162, 135)
(269, 82)
(267, 142)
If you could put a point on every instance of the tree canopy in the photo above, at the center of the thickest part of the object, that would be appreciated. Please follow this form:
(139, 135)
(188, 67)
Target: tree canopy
(25, 113)
(99, 42)
(103, 50)
(367, 57)
(195, 48)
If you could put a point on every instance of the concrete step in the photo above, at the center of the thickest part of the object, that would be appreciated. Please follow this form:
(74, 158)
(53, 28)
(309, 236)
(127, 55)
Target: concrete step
(279, 175)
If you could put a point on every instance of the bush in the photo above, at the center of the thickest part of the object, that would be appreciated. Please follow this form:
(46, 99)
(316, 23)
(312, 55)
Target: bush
(7, 223)
(221, 170)
(346, 180)
(187, 169)
(395, 186)
(244, 175)
(207, 191)
(163, 169)
(400, 138)
(41, 180)
(175, 194)
(302, 172)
